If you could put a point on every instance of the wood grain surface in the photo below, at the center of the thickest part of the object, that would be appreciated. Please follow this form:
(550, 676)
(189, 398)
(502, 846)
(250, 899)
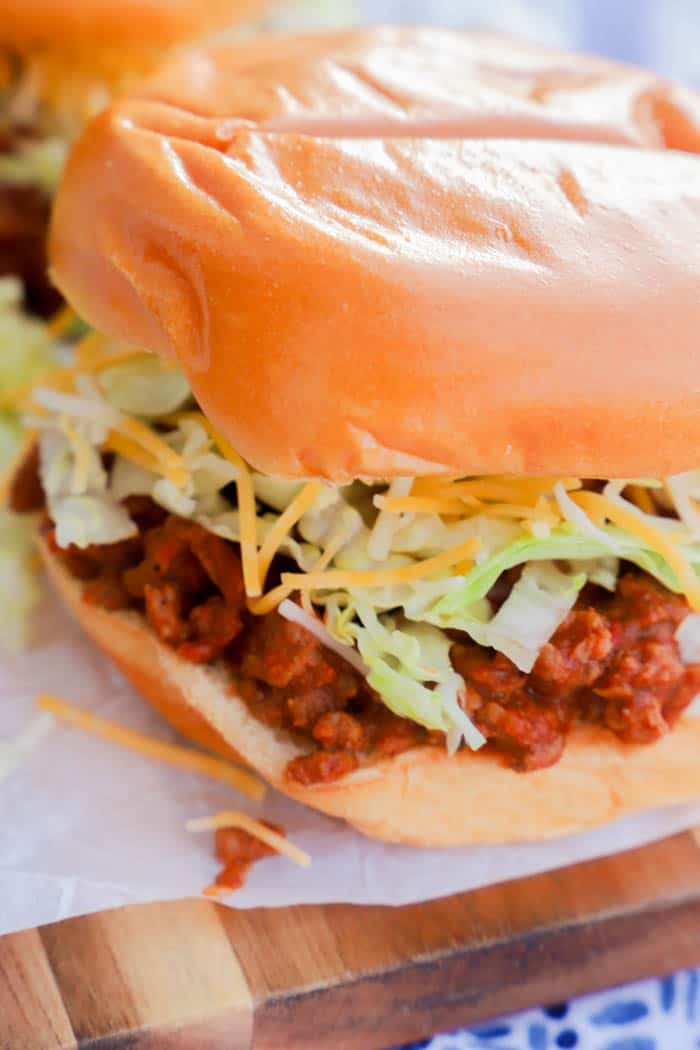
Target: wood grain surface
(196, 976)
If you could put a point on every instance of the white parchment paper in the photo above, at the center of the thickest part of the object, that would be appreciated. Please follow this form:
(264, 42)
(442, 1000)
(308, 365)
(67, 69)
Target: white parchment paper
(86, 825)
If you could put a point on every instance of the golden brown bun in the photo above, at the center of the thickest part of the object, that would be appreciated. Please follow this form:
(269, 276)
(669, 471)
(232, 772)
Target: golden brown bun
(371, 307)
(420, 80)
(31, 25)
(422, 797)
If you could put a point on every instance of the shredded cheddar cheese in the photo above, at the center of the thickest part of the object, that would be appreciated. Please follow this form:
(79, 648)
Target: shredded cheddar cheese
(642, 498)
(497, 490)
(302, 502)
(170, 462)
(234, 819)
(246, 501)
(61, 321)
(334, 578)
(514, 510)
(420, 505)
(349, 578)
(128, 449)
(171, 754)
(262, 605)
(602, 507)
(89, 348)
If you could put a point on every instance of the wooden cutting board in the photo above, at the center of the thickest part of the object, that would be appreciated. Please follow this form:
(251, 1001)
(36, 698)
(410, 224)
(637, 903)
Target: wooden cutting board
(192, 975)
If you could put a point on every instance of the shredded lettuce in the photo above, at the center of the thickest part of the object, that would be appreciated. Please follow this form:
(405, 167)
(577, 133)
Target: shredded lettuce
(84, 520)
(38, 163)
(82, 513)
(538, 603)
(18, 581)
(411, 670)
(145, 386)
(25, 342)
(25, 352)
(562, 544)
(603, 572)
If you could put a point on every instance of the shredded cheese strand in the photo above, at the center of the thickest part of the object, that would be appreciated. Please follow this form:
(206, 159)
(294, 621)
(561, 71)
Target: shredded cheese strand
(446, 505)
(317, 581)
(593, 502)
(91, 344)
(513, 510)
(246, 501)
(141, 433)
(150, 442)
(642, 498)
(270, 601)
(419, 505)
(523, 490)
(61, 321)
(110, 359)
(302, 502)
(128, 449)
(234, 819)
(171, 754)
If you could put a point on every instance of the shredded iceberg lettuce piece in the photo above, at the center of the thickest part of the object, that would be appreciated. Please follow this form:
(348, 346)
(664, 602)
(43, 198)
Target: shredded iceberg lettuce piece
(277, 493)
(603, 572)
(684, 490)
(145, 386)
(401, 662)
(538, 603)
(562, 544)
(84, 520)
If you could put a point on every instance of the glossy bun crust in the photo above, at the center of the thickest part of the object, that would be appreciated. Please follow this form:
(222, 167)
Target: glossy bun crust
(364, 275)
(55, 25)
(422, 797)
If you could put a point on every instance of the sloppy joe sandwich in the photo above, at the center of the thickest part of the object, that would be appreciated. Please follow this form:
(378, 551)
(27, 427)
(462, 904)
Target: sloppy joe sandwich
(379, 469)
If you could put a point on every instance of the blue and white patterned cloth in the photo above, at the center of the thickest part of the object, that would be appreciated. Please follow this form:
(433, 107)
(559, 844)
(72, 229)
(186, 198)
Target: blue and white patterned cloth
(651, 1015)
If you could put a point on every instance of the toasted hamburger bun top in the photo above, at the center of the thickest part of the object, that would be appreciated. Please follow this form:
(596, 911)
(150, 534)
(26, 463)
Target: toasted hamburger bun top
(75, 24)
(393, 290)
(422, 797)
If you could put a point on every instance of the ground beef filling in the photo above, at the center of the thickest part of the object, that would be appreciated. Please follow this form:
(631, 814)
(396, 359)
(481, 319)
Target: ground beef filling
(613, 662)
(238, 850)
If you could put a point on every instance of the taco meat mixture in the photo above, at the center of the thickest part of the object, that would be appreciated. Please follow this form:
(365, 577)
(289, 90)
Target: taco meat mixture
(613, 662)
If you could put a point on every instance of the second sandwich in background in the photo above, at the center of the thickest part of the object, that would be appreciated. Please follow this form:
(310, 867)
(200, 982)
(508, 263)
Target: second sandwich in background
(60, 63)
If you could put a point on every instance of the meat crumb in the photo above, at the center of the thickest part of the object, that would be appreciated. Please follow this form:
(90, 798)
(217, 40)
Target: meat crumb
(237, 850)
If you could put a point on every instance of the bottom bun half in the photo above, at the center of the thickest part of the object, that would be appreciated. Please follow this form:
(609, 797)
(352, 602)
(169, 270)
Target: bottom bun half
(422, 797)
